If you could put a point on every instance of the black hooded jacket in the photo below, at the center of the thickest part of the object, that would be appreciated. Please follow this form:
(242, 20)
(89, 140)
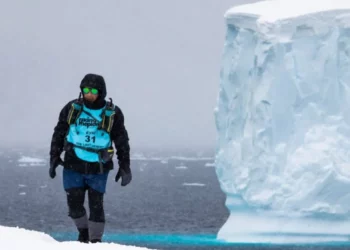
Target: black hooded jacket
(119, 135)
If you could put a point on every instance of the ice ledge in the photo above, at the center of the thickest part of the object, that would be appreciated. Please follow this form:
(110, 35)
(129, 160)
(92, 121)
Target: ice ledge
(261, 228)
(278, 16)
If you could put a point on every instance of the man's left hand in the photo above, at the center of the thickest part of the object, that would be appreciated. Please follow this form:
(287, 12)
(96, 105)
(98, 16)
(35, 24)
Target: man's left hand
(125, 174)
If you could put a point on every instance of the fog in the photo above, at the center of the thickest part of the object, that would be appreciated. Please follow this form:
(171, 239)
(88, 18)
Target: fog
(160, 60)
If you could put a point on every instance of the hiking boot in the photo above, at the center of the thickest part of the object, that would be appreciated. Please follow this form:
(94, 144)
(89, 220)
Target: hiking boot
(95, 241)
(83, 235)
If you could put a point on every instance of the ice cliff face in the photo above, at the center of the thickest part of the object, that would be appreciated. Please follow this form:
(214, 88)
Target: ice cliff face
(283, 110)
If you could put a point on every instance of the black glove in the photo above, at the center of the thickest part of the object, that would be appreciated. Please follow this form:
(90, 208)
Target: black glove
(54, 162)
(124, 172)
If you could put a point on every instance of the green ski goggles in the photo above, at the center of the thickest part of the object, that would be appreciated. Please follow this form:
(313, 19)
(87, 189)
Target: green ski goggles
(93, 91)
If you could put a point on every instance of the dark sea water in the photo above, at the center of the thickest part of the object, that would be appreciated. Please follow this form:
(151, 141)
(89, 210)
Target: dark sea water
(170, 204)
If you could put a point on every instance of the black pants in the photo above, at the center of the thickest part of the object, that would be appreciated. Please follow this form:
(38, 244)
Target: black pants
(76, 198)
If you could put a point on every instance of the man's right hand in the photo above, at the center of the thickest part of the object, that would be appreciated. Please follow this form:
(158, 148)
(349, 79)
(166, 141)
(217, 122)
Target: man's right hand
(54, 162)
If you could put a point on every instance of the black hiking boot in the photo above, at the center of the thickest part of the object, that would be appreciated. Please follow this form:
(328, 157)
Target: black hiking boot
(95, 241)
(83, 235)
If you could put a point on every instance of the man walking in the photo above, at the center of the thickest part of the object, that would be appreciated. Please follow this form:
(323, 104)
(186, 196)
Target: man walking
(86, 129)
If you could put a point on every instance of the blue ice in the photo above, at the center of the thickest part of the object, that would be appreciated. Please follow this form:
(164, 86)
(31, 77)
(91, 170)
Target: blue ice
(283, 122)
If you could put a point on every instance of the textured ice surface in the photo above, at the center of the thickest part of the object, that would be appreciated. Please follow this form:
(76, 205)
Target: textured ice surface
(283, 114)
(9, 239)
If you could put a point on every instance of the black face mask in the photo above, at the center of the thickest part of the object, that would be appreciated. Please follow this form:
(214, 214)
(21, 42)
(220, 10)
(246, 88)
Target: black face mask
(97, 104)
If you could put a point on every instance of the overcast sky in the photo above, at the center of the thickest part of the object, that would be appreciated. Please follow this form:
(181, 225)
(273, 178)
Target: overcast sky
(160, 59)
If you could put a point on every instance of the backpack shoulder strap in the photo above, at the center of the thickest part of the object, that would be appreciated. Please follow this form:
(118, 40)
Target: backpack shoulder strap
(74, 112)
(108, 116)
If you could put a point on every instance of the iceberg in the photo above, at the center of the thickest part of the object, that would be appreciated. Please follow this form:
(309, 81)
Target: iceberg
(31, 161)
(283, 122)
